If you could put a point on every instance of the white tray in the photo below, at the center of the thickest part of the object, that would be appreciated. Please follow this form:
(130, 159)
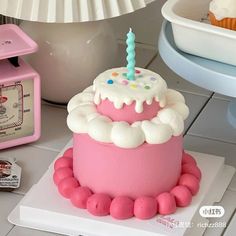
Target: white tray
(44, 209)
(195, 35)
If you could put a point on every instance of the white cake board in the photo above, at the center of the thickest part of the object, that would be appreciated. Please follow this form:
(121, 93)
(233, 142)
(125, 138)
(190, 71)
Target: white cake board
(44, 209)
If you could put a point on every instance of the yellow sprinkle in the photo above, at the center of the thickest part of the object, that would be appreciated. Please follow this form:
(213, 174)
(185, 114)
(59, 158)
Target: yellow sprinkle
(133, 86)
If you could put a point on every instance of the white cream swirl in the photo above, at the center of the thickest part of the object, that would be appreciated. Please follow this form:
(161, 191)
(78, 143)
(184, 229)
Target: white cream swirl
(83, 118)
(223, 9)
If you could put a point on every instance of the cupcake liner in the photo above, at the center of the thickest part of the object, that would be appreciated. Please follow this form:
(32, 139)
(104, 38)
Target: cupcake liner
(227, 23)
(66, 11)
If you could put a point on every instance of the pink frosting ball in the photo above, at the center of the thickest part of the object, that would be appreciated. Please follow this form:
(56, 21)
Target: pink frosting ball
(191, 182)
(79, 197)
(122, 208)
(188, 159)
(145, 207)
(63, 162)
(67, 186)
(166, 203)
(61, 174)
(68, 153)
(99, 204)
(182, 194)
(190, 168)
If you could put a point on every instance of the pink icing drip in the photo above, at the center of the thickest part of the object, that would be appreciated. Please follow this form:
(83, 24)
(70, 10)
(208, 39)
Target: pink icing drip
(127, 112)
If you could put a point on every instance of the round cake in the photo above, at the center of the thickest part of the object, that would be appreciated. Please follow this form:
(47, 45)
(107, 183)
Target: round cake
(222, 13)
(128, 157)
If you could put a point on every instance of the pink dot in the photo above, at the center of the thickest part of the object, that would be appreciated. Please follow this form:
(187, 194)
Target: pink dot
(99, 204)
(79, 197)
(190, 168)
(145, 207)
(122, 208)
(125, 82)
(66, 186)
(183, 196)
(188, 159)
(68, 153)
(137, 71)
(166, 203)
(62, 173)
(63, 162)
(191, 182)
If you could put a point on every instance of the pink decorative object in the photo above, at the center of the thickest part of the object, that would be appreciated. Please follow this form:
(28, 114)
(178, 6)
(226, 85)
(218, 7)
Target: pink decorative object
(183, 196)
(63, 162)
(145, 207)
(62, 173)
(99, 204)
(122, 208)
(191, 182)
(127, 113)
(190, 168)
(79, 197)
(188, 159)
(67, 186)
(68, 153)
(166, 203)
(20, 100)
(145, 166)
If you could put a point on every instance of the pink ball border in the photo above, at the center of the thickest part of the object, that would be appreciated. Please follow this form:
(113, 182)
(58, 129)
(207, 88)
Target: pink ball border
(181, 195)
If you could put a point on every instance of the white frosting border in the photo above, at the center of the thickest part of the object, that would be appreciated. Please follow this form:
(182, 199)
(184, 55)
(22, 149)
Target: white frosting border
(223, 9)
(83, 118)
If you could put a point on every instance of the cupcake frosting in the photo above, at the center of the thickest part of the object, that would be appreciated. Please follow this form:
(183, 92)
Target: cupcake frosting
(223, 9)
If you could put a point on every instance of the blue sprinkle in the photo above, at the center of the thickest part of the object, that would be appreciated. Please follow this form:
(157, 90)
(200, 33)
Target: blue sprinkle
(110, 81)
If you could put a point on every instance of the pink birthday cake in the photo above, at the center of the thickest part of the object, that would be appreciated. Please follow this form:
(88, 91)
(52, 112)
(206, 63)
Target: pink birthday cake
(127, 158)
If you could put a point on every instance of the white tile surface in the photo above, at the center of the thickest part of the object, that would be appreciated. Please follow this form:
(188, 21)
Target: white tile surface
(7, 203)
(55, 133)
(209, 146)
(213, 123)
(228, 203)
(146, 23)
(195, 103)
(231, 229)
(33, 161)
(19, 231)
(223, 97)
(174, 81)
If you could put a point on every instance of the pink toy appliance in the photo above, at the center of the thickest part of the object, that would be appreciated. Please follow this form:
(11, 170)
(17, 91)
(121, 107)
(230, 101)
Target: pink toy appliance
(19, 89)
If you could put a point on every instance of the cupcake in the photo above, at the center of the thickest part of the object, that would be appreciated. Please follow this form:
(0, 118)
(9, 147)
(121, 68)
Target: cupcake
(222, 13)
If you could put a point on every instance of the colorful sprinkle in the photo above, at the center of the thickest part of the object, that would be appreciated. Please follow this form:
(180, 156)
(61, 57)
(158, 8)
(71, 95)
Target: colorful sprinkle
(115, 74)
(153, 78)
(137, 71)
(124, 74)
(133, 86)
(110, 81)
(140, 76)
(125, 82)
(147, 87)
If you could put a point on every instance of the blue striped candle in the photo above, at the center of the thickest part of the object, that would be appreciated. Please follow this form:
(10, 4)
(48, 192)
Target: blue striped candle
(131, 55)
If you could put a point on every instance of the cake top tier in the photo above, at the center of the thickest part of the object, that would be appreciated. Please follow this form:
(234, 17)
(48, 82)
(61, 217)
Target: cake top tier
(114, 86)
(84, 117)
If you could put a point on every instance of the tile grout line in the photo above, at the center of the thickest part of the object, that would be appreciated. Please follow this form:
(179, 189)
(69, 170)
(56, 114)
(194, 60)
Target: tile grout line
(198, 114)
(13, 226)
(228, 223)
(151, 60)
(210, 138)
